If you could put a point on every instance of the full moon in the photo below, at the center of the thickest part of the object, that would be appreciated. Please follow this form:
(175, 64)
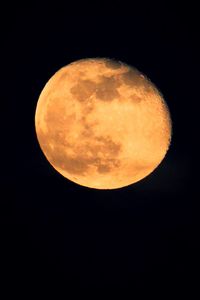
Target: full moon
(102, 123)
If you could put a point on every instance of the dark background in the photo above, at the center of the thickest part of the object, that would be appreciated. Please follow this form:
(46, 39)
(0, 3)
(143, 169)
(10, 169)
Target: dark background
(56, 233)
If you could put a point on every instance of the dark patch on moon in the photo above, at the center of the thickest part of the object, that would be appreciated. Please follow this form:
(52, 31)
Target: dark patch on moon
(103, 168)
(107, 88)
(106, 145)
(102, 153)
(148, 87)
(72, 165)
(59, 158)
(112, 64)
(83, 89)
(134, 78)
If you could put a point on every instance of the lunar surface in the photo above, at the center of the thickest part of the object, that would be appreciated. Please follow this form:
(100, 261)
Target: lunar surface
(102, 124)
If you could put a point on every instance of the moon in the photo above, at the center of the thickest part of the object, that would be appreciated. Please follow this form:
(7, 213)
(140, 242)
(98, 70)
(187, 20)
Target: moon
(102, 123)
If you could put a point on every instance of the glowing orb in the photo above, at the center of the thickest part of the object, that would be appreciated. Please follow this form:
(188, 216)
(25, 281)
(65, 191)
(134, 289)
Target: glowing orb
(102, 124)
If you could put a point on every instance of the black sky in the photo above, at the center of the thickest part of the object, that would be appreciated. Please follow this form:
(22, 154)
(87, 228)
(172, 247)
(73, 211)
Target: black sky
(56, 232)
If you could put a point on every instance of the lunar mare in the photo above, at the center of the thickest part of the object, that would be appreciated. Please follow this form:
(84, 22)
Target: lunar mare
(102, 123)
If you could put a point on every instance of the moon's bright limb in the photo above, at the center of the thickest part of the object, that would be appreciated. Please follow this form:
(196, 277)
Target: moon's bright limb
(102, 124)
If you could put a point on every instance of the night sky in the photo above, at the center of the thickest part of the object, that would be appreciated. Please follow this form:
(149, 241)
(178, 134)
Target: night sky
(59, 234)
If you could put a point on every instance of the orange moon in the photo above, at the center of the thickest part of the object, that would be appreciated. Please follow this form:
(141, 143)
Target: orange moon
(102, 124)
